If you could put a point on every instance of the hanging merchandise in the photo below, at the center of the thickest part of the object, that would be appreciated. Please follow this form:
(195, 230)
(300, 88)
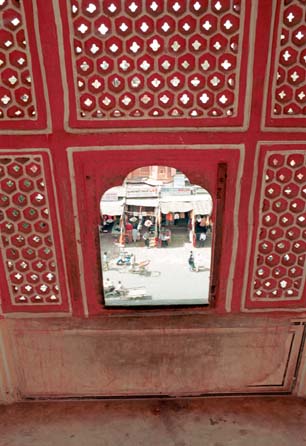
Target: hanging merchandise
(122, 230)
(152, 242)
(122, 238)
(157, 219)
(169, 218)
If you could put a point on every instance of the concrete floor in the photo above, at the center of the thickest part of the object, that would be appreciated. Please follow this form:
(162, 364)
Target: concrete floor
(234, 421)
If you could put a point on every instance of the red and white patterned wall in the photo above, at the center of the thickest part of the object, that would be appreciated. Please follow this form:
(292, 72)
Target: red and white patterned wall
(82, 75)
(22, 95)
(279, 251)
(288, 75)
(29, 233)
(138, 59)
(16, 94)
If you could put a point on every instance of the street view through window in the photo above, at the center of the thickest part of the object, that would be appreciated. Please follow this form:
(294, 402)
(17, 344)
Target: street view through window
(155, 240)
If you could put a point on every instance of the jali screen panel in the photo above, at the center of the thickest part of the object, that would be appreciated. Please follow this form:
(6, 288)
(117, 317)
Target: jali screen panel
(28, 239)
(158, 59)
(279, 270)
(287, 103)
(22, 101)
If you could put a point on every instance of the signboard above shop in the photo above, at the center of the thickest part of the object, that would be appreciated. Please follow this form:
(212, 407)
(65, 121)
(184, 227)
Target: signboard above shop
(141, 191)
(176, 191)
(114, 194)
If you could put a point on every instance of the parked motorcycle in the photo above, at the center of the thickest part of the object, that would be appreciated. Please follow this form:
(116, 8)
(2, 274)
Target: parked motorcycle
(124, 259)
(128, 294)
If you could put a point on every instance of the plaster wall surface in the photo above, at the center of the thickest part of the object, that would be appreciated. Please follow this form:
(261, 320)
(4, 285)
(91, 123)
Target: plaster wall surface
(8, 379)
(153, 356)
(300, 388)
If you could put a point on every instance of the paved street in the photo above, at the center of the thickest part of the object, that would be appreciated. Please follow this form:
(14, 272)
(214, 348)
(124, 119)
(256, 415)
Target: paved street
(171, 282)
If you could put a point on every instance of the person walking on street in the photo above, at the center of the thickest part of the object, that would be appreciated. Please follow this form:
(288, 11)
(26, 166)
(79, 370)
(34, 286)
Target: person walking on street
(135, 234)
(146, 239)
(105, 261)
(119, 289)
(191, 262)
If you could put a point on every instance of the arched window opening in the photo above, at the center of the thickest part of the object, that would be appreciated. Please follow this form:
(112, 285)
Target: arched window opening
(156, 237)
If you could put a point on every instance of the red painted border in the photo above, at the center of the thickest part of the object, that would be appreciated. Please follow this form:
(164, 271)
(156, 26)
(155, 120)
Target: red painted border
(97, 171)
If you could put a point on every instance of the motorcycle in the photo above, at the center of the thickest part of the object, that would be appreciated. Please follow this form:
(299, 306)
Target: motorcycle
(124, 259)
(128, 294)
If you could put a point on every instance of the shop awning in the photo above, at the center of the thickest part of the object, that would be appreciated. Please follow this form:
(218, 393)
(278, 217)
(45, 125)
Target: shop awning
(111, 207)
(176, 206)
(143, 202)
(114, 193)
(201, 205)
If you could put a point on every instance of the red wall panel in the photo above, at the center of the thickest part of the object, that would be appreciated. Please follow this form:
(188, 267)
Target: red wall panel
(195, 144)
(32, 267)
(278, 255)
(97, 170)
(156, 64)
(23, 96)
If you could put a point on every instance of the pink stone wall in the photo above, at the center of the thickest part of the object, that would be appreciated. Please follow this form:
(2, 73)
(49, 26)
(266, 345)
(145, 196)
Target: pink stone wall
(88, 101)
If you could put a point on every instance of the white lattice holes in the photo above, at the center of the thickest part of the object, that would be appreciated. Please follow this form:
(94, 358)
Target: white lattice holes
(157, 58)
(26, 232)
(281, 242)
(16, 96)
(290, 89)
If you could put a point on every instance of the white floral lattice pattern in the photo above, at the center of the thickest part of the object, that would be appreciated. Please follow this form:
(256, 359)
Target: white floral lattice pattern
(16, 93)
(163, 59)
(289, 95)
(281, 241)
(27, 244)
